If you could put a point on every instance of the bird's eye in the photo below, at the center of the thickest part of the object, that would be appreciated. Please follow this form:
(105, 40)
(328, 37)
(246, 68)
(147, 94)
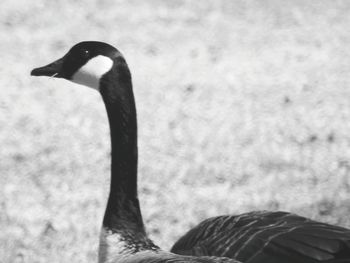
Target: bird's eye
(85, 53)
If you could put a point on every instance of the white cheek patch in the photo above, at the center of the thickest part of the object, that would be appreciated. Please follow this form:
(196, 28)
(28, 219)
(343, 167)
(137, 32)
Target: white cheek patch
(91, 73)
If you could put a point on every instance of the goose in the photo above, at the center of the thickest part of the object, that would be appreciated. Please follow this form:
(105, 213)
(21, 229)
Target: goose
(255, 237)
(123, 237)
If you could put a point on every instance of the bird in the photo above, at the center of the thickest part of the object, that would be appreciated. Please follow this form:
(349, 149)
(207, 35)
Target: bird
(254, 237)
(123, 237)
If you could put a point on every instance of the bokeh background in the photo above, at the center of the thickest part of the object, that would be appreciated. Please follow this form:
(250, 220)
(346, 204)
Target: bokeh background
(242, 105)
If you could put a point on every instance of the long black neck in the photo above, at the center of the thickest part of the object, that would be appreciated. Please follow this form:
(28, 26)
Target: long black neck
(123, 210)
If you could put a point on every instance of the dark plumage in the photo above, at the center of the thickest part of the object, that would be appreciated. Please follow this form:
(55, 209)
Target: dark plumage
(273, 237)
(123, 236)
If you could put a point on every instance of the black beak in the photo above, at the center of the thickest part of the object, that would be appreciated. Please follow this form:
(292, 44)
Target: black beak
(53, 69)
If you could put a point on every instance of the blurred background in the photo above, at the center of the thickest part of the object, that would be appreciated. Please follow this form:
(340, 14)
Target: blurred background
(242, 105)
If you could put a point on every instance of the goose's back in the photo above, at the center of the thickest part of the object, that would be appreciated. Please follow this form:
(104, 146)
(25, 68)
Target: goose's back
(273, 237)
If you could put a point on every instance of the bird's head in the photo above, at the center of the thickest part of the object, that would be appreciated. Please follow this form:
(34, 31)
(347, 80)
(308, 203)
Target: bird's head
(85, 64)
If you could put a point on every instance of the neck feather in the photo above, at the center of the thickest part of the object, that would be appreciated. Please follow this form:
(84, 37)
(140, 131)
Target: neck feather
(123, 233)
(123, 210)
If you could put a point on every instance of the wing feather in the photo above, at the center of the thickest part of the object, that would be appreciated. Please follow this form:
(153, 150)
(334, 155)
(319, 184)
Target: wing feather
(259, 237)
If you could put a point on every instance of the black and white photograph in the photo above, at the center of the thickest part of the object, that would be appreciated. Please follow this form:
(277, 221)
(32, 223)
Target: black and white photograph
(175, 131)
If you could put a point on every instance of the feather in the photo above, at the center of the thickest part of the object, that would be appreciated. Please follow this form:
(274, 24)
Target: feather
(259, 237)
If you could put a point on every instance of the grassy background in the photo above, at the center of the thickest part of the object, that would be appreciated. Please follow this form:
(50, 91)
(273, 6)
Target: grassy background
(242, 105)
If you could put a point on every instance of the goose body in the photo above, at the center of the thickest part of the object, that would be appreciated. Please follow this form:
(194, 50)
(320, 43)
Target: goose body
(123, 236)
(274, 237)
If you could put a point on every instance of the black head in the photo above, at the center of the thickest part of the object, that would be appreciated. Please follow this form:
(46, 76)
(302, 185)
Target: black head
(84, 62)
